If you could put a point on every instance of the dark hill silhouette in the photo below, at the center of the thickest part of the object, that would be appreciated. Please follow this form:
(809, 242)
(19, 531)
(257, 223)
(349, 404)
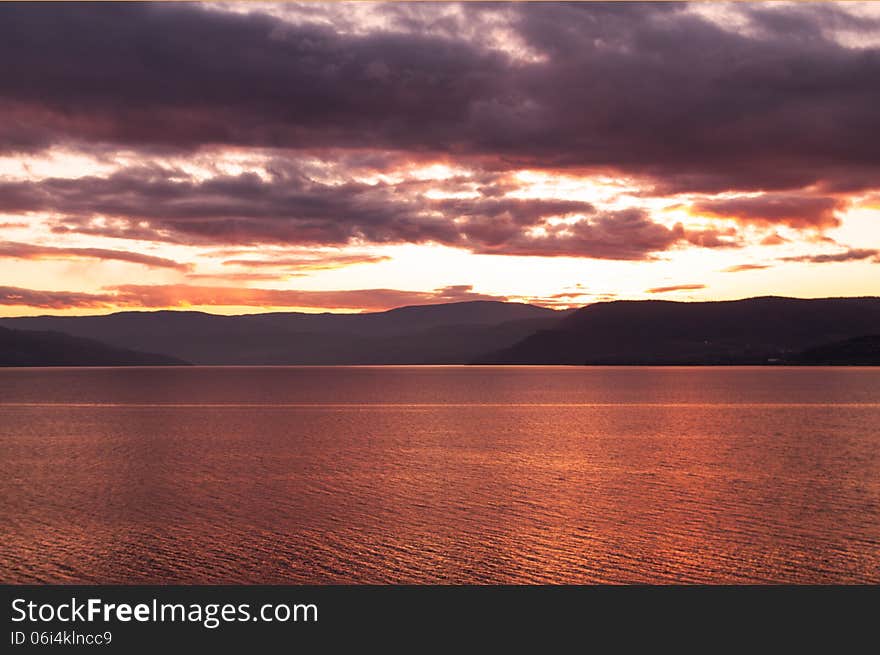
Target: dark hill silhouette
(751, 331)
(29, 348)
(864, 351)
(430, 334)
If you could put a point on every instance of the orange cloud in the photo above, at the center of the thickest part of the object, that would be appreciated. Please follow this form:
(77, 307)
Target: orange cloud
(677, 287)
(13, 250)
(182, 295)
(16, 296)
(774, 239)
(238, 277)
(320, 263)
(794, 210)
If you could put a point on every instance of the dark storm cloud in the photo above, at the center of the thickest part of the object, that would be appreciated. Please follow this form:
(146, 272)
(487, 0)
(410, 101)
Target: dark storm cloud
(160, 204)
(182, 76)
(647, 90)
(653, 90)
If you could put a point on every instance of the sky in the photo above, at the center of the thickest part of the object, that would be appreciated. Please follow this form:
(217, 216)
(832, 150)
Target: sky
(248, 157)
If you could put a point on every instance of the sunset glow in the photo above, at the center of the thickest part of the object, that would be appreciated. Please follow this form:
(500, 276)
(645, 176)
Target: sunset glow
(368, 156)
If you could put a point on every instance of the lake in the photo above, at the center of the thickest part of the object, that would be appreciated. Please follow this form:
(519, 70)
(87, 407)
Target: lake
(440, 475)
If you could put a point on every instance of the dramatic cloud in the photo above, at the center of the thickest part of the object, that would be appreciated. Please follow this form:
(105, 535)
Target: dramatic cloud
(181, 295)
(852, 254)
(676, 287)
(153, 203)
(237, 144)
(648, 90)
(184, 76)
(12, 250)
(54, 299)
(323, 262)
(627, 234)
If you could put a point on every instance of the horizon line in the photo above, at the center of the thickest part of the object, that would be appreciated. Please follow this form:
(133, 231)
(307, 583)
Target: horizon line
(437, 304)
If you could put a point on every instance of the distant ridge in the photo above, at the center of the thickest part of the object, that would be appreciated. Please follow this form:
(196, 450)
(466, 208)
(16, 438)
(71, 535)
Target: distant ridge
(453, 333)
(750, 331)
(31, 348)
(765, 330)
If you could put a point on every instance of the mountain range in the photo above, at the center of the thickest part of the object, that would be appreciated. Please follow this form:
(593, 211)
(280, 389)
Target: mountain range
(751, 331)
(37, 348)
(766, 330)
(454, 333)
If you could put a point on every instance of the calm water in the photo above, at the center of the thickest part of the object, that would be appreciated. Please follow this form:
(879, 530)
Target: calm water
(440, 474)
